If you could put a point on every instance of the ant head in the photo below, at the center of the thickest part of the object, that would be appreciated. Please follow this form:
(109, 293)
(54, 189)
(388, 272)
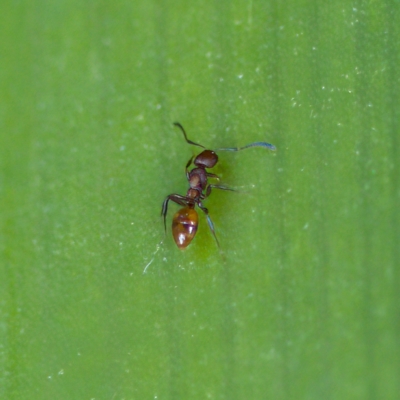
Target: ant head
(206, 159)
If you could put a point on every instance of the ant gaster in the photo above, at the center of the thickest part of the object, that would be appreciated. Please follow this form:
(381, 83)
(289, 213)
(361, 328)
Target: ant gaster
(186, 220)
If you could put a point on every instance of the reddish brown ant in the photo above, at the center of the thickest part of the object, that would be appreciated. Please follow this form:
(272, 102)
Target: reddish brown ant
(185, 221)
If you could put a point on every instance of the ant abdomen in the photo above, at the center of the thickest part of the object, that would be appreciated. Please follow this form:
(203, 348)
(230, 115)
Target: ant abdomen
(184, 226)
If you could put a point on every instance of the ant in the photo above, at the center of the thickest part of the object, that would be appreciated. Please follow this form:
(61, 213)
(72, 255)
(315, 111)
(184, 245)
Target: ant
(186, 220)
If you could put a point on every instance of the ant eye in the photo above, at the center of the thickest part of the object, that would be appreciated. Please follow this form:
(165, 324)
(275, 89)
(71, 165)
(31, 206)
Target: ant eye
(206, 158)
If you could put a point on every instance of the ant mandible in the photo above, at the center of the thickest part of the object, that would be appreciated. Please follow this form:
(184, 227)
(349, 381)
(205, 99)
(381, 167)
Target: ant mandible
(186, 220)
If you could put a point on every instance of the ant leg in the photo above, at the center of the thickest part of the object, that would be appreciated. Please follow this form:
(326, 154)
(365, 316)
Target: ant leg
(187, 167)
(255, 144)
(214, 176)
(209, 187)
(176, 198)
(210, 223)
(186, 138)
(164, 211)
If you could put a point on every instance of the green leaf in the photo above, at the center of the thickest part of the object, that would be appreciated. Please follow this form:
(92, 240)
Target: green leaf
(302, 301)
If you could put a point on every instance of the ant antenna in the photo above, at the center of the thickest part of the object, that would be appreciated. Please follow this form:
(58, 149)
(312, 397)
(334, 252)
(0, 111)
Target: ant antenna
(255, 144)
(186, 138)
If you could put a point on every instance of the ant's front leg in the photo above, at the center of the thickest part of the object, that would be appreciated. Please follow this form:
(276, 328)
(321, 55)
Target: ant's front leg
(187, 167)
(222, 187)
(214, 176)
(176, 198)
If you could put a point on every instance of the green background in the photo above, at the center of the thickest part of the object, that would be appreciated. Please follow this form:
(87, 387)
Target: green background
(302, 303)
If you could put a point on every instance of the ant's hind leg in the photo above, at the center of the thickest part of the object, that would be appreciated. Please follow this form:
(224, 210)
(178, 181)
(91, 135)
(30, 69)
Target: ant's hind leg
(176, 198)
(210, 223)
(164, 211)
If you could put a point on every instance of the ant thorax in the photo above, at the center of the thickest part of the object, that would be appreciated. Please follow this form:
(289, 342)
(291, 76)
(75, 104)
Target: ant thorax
(198, 178)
